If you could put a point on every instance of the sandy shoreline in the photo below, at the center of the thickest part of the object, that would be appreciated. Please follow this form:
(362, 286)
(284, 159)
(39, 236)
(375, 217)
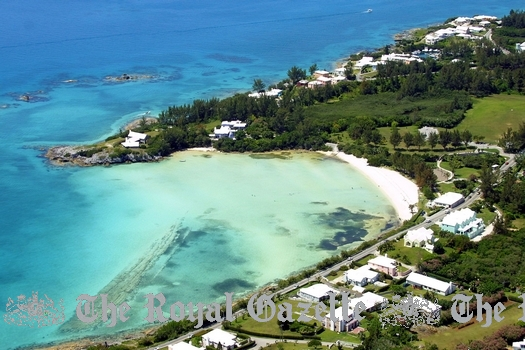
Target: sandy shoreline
(400, 191)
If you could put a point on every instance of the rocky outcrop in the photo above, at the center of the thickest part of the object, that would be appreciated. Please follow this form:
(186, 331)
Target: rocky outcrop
(82, 156)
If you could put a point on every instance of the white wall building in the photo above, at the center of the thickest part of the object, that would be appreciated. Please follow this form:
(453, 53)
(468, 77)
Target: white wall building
(227, 340)
(425, 305)
(361, 276)
(520, 47)
(448, 200)
(317, 292)
(384, 264)
(371, 301)
(463, 222)
(431, 284)
(426, 130)
(422, 238)
(518, 345)
(227, 129)
(134, 139)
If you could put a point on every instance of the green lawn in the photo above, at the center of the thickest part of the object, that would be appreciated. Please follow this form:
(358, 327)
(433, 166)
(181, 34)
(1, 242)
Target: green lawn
(486, 215)
(448, 338)
(448, 187)
(519, 223)
(462, 172)
(413, 254)
(493, 115)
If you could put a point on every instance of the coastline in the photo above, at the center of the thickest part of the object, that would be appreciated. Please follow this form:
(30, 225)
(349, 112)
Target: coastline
(400, 191)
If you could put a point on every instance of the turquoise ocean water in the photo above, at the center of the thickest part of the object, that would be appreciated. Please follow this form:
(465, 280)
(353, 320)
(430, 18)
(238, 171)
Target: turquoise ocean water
(241, 222)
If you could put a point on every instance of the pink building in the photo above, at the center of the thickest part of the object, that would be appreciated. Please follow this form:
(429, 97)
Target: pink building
(384, 264)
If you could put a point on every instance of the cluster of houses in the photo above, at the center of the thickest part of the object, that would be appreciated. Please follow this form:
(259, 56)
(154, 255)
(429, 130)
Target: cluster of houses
(323, 78)
(398, 57)
(227, 129)
(461, 27)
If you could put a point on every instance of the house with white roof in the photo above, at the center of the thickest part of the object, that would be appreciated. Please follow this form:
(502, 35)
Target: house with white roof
(426, 130)
(269, 93)
(361, 276)
(324, 80)
(448, 200)
(520, 47)
(227, 340)
(384, 264)
(182, 346)
(314, 83)
(431, 284)
(134, 139)
(463, 222)
(340, 325)
(422, 237)
(317, 292)
(340, 72)
(321, 73)
(227, 129)
(371, 301)
(518, 345)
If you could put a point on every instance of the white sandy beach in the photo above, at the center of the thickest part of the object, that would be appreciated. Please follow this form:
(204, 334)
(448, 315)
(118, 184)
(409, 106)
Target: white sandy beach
(400, 191)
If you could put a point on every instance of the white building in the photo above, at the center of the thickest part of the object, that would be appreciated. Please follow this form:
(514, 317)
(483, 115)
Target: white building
(227, 340)
(431, 284)
(371, 301)
(269, 93)
(361, 276)
(317, 292)
(448, 200)
(422, 238)
(463, 222)
(134, 139)
(182, 346)
(520, 47)
(228, 129)
(518, 345)
(400, 57)
(340, 325)
(321, 73)
(427, 131)
(384, 264)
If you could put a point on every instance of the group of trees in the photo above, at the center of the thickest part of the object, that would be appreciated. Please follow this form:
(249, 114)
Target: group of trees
(444, 138)
(513, 141)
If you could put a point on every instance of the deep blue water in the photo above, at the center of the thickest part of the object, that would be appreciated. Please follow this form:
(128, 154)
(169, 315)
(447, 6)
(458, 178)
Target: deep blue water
(197, 49)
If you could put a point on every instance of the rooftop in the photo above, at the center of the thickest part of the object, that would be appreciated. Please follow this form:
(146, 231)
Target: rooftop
(420, 234)
(448, 198)
(318, 290)
(459, 217)
(383, 261)
(219, 336)
(426, 281)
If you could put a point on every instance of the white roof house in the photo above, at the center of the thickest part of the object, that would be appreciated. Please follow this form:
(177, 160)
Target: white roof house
(321, 73)
(365, 61)
(134, 139)
(324, 80)
(361, 276)
(317, 292)
(422, 237)
(269, 93)
(485, 18)
(213, 338)
(520, 47)
(448, 200)
(340, 71)
(228, 129)
(421, 281)
(182, 346)
(518, 345)
(372, 301)
(427, 131)
(384, 264)
(463, 222)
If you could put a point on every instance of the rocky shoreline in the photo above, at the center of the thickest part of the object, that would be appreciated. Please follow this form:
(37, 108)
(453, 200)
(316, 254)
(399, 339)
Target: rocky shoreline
(80, 156)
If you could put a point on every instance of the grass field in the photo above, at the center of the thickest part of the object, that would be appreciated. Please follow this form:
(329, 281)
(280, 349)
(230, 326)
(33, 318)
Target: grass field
(448, 338)
(413, 254)
(493, 115)
(462, 172)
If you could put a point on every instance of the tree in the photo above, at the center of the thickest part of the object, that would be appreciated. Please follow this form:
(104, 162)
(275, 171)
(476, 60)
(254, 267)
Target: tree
(433, 139)
(313, 68)
(455, 163)
(419, 140)
(438, 248)
(408, 139)
(455, 138)
(445, 138)
(258, 85)
(466, 137)
(349, 71)
(395, 137)
(295, 74)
